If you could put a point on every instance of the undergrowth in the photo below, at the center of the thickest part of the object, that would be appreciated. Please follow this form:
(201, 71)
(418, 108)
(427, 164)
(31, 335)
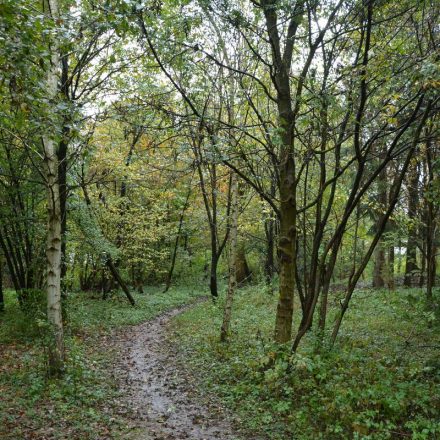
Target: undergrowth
(80, 405)
(380, 381)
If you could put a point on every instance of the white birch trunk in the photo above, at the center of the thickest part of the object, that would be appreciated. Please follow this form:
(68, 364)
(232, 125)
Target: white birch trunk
(53, 250)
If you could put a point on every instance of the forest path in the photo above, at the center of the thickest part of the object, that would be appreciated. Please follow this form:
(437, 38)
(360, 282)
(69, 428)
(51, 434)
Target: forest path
(158, 391)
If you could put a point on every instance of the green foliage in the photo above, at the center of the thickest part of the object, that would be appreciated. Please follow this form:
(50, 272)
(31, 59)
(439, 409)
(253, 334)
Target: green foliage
(90, 312)
(33, 302)
(379, 382)
(91, 235)
(17, 326)
(136, 146)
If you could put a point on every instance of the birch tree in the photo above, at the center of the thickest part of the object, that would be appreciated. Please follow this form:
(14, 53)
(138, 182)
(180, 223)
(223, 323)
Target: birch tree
(53, 250)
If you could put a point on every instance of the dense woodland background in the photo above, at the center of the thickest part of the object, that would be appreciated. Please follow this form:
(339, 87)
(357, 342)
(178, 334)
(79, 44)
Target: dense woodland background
(281, 156)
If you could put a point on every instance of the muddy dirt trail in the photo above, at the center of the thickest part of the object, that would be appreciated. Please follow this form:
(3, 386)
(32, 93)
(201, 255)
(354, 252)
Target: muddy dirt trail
(159, 395)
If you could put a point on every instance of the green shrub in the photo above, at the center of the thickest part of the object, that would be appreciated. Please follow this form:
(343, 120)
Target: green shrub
(380, 381)
(33, 302)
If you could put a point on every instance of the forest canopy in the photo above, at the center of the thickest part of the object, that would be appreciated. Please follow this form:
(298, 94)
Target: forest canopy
(287, 149)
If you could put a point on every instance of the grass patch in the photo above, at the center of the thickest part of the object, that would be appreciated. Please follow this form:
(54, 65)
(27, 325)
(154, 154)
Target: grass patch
(381, 380)
(81, 404)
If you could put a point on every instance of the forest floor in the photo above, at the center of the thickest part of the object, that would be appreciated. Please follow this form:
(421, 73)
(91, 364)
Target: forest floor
(380, 381)
(158, 371)
(122, 379)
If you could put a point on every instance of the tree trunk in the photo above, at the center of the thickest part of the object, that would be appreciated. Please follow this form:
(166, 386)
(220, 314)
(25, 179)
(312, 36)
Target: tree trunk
(176, 244)
(431, 226)
(104, 289)
(282, 60)
(380, 268)
(323, 307)
(399, 257)
(269, 263)
(390, 271)
(286, 255)
(211, 213)
(119, 280)
(242, 269)
(232, 285)
(62, 170)
(380, 227)
(269, 229)
(53, 251)
(213, 285)
(423, 258)
(2, 300)
(411, 247)
(431, 270)
(53, 258)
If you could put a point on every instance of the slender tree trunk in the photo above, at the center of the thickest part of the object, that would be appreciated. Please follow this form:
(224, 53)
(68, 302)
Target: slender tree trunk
(213, 285)
(423, 258)
(211, 213)
(431, 270)
(119, 280)
(104, 289)
(379, 266)
(176, 244)
(62, 171)
(323, 306)
(108, 259)
(391, 254)
(233, 235)
(286, 254)
(54, 258)
(269, 229)
(287, 185)
(399, 257)
(431, 226)
(2, 300)
(269, 263)
(390, 272)
(379, 270)
(243, 272)
(11, 266)
(411, 247)
(53, 251)
(282, 60)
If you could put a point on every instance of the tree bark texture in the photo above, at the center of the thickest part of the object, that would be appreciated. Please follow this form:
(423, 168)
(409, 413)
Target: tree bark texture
(233, 236)
(53, 249)
(411, 248)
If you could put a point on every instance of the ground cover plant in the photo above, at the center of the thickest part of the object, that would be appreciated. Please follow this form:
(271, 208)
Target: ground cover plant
(381, 381)
(83, 404)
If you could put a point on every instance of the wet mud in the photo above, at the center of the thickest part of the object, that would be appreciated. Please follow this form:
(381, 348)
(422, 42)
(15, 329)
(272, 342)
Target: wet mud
(158, 393)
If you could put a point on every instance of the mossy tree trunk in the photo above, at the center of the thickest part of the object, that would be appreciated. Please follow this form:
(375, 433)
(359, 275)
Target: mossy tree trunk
(432, 214)
(2, 300)
(233, 236)
(411, 247)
